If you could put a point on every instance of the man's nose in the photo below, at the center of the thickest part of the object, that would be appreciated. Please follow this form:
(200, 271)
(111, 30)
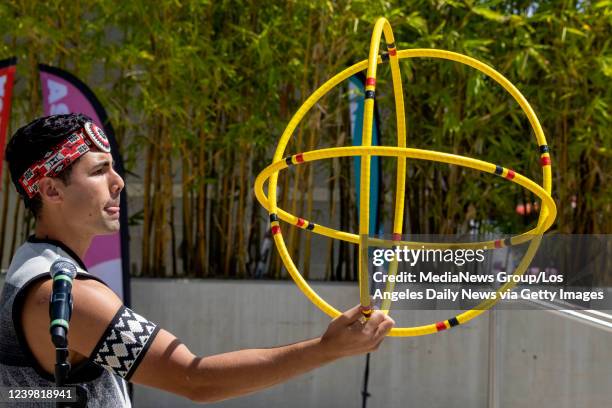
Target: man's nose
(117, 183)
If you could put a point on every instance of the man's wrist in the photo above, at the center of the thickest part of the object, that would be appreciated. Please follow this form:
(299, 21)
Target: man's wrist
(324, 352)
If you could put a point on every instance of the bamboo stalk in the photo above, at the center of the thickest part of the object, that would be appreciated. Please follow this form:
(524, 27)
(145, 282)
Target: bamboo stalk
(186, 182)
(147, 210)
(230, 224)
(170, 225)
(157, 212)
(254, 232)
(240, 217)
(222, 209)
(202, 267)
(165, 196)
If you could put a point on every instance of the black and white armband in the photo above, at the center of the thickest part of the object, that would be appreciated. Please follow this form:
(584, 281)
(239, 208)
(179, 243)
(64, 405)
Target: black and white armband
(124, 343)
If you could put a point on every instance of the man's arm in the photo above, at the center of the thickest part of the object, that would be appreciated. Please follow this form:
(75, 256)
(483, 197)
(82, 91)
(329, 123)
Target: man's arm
(94, 307)
(237, 373)
(168, 363)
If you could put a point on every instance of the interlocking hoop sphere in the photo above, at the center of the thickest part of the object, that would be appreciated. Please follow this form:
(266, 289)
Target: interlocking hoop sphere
(401, 152)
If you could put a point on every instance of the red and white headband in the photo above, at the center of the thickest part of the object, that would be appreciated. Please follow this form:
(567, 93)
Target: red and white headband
(62, 155)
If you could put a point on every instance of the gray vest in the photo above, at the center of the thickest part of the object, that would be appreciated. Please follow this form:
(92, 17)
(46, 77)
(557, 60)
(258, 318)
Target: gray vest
(18, 368)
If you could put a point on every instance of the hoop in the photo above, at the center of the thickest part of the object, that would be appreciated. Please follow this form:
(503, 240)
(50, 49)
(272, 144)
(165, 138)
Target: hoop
(270, 173)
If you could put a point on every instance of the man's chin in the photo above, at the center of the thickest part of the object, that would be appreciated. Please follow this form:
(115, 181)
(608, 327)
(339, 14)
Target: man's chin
(110, 227)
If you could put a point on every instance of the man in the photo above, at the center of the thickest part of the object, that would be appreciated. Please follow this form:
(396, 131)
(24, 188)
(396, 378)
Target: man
(62, 167)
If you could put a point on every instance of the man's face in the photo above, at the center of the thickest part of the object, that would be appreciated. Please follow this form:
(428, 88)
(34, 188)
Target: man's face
(90, 201)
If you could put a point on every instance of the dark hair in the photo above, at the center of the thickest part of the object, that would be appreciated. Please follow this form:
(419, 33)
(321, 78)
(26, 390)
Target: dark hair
(31, 142)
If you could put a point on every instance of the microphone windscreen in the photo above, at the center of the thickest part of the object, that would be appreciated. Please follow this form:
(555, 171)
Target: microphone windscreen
(65, 266)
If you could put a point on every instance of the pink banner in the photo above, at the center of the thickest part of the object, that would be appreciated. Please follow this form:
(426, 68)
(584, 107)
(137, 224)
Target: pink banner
(108, 255)
(7, 76)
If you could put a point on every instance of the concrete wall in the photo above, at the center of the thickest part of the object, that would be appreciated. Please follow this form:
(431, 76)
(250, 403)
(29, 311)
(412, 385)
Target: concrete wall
(551, 361)
(543, 360)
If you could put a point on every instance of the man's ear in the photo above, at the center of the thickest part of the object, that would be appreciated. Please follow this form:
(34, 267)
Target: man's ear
(49, 191)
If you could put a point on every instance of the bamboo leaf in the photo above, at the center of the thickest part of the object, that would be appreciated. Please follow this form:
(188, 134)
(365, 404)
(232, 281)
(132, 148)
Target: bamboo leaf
(574, 31)
(539, 58)
(605, 64)
(489, 14)
(417, 22)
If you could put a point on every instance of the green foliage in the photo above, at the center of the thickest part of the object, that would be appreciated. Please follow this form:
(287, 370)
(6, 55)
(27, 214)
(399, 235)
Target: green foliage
(207, 84)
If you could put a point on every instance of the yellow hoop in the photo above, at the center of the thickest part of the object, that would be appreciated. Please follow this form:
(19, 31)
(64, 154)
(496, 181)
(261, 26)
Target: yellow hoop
(547, 214)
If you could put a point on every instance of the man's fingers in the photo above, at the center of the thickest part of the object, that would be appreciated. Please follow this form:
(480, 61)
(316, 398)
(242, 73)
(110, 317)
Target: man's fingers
(351, 315)
(384, 328)
(375, 319)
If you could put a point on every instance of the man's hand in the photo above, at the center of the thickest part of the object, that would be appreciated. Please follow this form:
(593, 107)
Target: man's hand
(349, 334)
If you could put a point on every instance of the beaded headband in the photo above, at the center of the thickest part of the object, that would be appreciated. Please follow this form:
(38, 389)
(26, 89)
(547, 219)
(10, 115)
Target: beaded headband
(62, 155)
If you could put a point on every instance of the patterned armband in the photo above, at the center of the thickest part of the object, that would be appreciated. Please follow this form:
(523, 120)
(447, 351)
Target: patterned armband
(124, 343)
